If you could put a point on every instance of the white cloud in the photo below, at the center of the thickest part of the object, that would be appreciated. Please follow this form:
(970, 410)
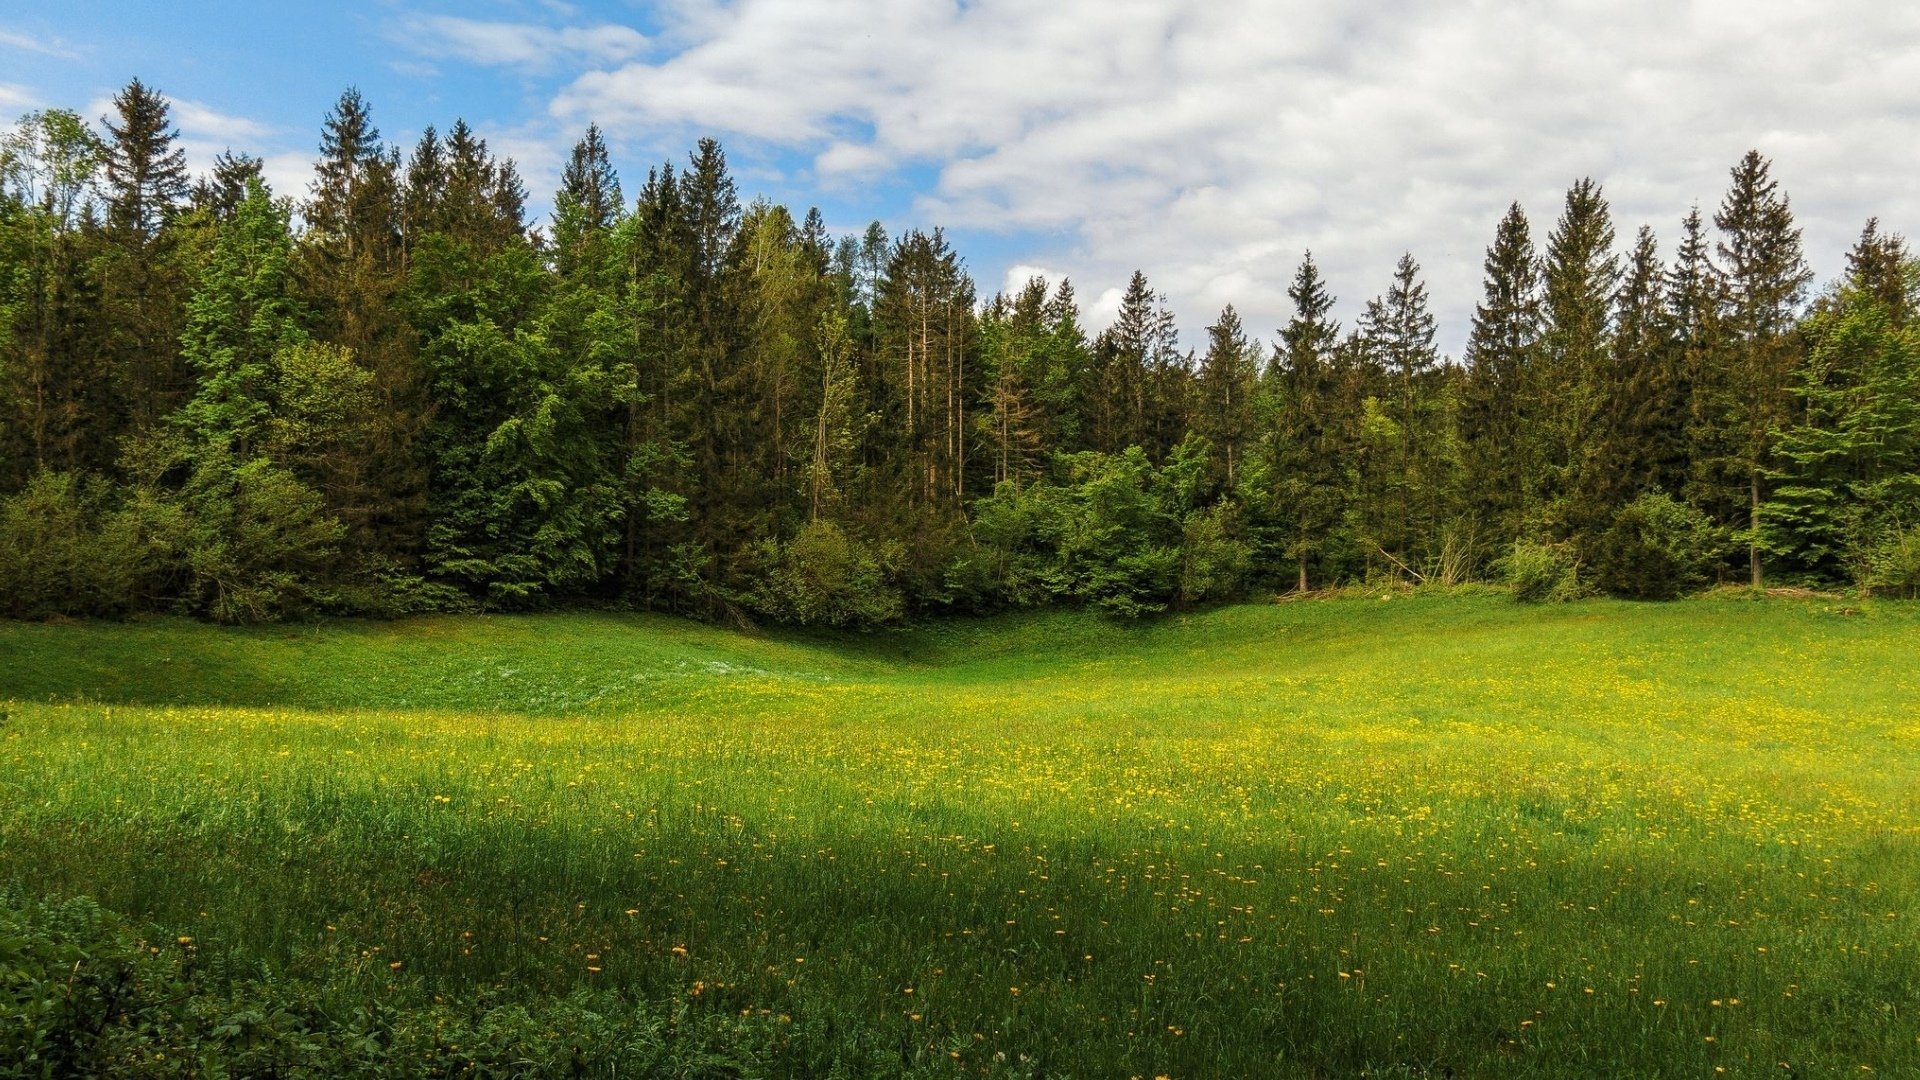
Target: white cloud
(198, 121)
(14, 39)
(518, 45)
(1210, 142)
(15, 99)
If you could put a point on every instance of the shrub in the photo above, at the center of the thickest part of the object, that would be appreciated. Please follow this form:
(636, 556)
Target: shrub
(256, 540)
(68, 546)
(1656, 549)
(1541, 573)
(1214, 560)
(823, 577)
(1893, 566)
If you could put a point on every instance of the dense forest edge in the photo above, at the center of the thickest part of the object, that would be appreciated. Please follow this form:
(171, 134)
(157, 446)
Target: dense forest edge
(417, 401)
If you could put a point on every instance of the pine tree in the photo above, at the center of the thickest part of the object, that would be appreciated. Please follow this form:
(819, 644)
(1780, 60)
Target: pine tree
(146, 172)
(1849, 468)
(1580, 276)
(1397, 330)
(1497, 402)
(219, 194)
(1636, 441)
(242, 314)
(587, 207)
(1298, 489)
(142, 285)
(1877, 266)
(1224, 391)
(1140, 375)
(1765, 278)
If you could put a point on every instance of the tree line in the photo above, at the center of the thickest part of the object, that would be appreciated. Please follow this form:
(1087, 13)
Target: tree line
(417, 400)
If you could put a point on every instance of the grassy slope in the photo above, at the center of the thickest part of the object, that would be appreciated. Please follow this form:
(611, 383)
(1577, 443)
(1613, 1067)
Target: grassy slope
(1296, 840)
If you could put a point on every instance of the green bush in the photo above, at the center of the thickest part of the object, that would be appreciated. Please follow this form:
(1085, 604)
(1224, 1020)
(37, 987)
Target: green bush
(1541, 573)
(823, 577)
(1656, 549)
(70, 546)
(1893, 566)
(257, 542)
(1214, 560)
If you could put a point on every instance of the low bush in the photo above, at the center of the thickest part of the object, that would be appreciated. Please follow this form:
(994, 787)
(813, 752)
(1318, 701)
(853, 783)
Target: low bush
(1657, 549)
(72, 546)
(1541, 573)
(1893, 566)
(825, 577)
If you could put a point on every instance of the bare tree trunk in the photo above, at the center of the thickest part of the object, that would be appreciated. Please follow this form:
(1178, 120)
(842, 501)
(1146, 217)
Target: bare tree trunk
(1753, 527)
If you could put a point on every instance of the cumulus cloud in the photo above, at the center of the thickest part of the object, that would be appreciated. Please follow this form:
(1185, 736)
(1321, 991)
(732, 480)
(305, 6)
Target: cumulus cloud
(1210, 142)
(518, 45)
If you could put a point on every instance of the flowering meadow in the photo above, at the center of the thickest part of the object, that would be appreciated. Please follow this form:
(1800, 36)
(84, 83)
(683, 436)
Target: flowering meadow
(1427, 836)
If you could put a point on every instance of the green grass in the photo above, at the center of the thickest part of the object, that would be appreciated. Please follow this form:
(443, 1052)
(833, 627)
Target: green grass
(1431, 836)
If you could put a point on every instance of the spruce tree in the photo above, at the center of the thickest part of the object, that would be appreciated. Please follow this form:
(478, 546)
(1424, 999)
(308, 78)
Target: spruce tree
(1298, 488)
(1397, 330)
(1765, 278)
(142, 283)
(1579, 275)
(1224, 391)
(146, 171)
(1497, 406)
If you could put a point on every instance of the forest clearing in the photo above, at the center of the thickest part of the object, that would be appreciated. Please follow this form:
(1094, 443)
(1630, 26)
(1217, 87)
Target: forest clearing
(1419, 836)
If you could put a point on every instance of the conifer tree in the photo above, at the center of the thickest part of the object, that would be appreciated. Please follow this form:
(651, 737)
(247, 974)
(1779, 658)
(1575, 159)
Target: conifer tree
(1848, 470)
(1301, 483)
(1497, 400)
(1224, 391)
(1765, 279)
(142, 284)
(1580, 276)
(1635, 441)
(1397, 331)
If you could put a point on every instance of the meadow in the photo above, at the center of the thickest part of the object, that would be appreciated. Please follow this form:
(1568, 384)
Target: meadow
(1426, 836)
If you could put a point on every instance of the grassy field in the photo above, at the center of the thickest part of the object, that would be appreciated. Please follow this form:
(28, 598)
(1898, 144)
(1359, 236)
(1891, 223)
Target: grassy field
(1435, 836)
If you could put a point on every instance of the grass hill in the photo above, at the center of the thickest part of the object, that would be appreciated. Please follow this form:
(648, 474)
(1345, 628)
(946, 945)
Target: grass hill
(1421, 837)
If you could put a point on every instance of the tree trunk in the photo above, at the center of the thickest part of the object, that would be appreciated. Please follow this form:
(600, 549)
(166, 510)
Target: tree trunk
(1753, 527)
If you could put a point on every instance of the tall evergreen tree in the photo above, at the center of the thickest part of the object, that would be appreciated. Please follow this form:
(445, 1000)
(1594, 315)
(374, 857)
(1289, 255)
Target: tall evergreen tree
(1497, 398)
(1224, 391)
(1398, 330)
(1765, 277)
(1297, 486)
(141, 281)
(1580, 276)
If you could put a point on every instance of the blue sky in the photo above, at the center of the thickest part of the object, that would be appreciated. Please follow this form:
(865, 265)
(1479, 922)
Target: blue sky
(1209, 142)
(262, 77)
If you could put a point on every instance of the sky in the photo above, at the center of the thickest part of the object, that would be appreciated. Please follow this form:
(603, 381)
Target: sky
(1209, 143)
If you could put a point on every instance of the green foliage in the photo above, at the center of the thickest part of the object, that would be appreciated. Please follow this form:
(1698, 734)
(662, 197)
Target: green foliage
(1657, 549)
(83, 993)
(1542, 573)
(1893, 565)
(255, 541)
(72, 546)
(1215, 559)
(1850, 467)
(824, 577)
(439, 406)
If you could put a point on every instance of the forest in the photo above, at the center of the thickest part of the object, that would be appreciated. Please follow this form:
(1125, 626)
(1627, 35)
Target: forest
(393, 393)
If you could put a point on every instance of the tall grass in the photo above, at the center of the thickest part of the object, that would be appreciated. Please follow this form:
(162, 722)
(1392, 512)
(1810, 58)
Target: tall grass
(1424, 836)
